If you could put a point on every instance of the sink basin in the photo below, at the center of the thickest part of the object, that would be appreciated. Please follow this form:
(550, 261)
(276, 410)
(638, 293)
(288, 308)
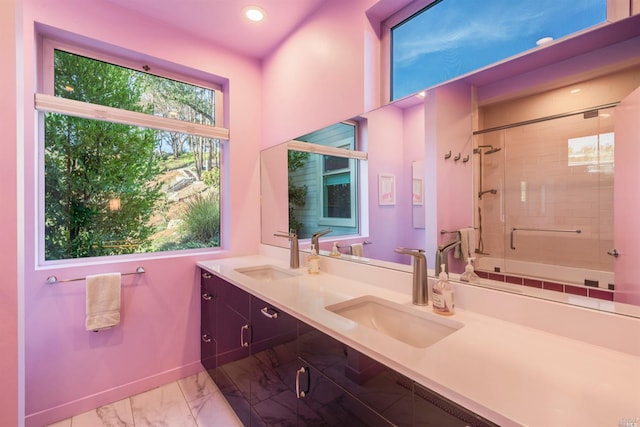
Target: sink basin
(267, 273)
(404, 323)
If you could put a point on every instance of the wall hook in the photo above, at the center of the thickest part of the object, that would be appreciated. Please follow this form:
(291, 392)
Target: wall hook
(466, 159)
(456, 158)
(448, 155)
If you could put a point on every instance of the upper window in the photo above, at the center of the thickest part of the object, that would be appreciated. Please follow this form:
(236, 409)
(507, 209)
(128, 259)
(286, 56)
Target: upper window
(450, 38)
(131, 160)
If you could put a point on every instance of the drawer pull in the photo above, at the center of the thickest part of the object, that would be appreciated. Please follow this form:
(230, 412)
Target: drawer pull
(301, 394)
(207, 296)
(206, 338)
(243, 342)
(206, 275)
(265, 312)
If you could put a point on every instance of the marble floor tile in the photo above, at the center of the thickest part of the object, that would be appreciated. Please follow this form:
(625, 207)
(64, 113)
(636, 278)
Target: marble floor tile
(162, 406)
(194, 401)
(213, 411)
(197, 386)
(117, 414)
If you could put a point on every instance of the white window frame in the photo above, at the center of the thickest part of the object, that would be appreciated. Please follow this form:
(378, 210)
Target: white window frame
(45, 101)
(353, 177)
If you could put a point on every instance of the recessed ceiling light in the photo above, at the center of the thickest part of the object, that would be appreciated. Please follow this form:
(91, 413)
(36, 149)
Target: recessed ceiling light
(254, 13)
(574, 91)
(544, 40)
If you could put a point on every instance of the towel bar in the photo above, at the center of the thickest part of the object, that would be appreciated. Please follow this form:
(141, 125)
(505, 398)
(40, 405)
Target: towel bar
(547, 230)
(53, 279)
(366, 242)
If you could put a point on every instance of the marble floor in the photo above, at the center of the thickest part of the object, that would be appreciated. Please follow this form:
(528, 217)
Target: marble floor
(194, 401)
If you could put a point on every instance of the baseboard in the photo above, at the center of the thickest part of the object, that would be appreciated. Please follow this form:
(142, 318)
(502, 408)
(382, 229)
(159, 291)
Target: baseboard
(87, 403)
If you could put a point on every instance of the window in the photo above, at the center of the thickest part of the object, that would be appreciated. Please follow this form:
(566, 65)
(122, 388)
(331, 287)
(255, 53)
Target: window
(591, 150)
(450, 38)
(323, 187)
(131, 159)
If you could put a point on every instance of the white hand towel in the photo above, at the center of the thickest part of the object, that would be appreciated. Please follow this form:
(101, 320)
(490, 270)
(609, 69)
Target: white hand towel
(357, 249)
(468, 243)
(464, 244)
(103, 301)
(471, 239)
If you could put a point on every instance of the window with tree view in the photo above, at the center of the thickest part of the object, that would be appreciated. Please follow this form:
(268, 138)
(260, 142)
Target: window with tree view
(121, 186)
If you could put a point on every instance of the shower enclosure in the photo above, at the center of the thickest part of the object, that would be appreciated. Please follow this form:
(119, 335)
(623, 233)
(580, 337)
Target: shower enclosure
(544, 196)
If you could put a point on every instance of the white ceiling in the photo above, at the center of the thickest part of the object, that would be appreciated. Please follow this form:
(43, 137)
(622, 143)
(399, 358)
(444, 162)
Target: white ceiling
(222, 21)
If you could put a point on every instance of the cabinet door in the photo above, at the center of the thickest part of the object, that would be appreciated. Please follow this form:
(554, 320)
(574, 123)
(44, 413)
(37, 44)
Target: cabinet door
(374, 384)
(271, 326)
(322, 402)
(431, 409)
(208, 312)
(208, 351)
(233, 334)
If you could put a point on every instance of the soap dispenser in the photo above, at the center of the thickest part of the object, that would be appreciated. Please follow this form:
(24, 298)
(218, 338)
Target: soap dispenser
(443, 294)
(469, 275)
(334, 250)
(313, 261)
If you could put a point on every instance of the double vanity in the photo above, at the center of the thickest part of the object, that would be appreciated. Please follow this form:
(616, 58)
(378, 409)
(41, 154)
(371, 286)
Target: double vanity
(347, 347)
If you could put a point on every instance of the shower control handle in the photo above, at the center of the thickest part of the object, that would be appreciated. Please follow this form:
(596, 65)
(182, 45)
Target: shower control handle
(614, 253)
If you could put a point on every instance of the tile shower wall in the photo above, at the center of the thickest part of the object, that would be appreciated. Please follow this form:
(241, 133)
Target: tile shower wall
(541, 186)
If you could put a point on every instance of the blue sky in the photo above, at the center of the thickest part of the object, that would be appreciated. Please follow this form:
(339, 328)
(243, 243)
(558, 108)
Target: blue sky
(455, 37)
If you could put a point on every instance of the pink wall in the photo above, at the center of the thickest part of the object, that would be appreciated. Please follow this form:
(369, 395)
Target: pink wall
(414, 146)
(448, 124)
(315, 78)
(69, 370)
(385, 136)
(627, 199)
(9, 345)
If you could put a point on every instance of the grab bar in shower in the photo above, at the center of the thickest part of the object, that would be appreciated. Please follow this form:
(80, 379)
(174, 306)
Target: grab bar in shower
(550, 230)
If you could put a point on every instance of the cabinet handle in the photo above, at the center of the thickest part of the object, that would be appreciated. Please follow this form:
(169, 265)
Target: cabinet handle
(206, 338)
(243, 342)
(206, 275)
(265, 312)
(207, 296)
(302, 370)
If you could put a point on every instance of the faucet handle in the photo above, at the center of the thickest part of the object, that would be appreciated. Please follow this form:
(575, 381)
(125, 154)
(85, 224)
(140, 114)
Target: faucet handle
(412, 252)
(321, 233)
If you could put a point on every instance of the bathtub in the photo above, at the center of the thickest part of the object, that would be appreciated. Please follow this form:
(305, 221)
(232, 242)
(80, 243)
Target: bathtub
(547, 271)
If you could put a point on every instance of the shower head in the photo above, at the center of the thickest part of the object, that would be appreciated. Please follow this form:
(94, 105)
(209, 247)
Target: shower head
(491, 149)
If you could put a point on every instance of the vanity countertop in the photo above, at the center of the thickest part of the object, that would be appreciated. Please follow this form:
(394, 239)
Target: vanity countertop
(509, 373)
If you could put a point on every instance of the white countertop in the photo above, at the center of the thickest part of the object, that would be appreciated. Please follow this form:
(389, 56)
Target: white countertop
(509, 373)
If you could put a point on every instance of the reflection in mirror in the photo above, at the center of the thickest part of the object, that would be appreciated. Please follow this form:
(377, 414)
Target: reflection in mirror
(323, 188)
(417, 199)
(393, 137)
(552, 219)
(544, 188)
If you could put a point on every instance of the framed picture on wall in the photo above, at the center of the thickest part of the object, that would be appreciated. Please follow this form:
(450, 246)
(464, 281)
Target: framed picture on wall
(418, 193)
(386, 189)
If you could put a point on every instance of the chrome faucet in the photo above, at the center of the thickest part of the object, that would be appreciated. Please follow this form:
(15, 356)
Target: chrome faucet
(442, 255)
(315, 237)
(294, 256)
(420, 287)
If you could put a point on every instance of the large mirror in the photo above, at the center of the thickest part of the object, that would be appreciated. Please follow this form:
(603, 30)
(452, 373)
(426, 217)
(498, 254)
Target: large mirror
(299, 184)
(537, 187)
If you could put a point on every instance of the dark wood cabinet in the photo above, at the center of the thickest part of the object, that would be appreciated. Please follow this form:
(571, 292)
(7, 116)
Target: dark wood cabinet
(325, 403)
(276, 370)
